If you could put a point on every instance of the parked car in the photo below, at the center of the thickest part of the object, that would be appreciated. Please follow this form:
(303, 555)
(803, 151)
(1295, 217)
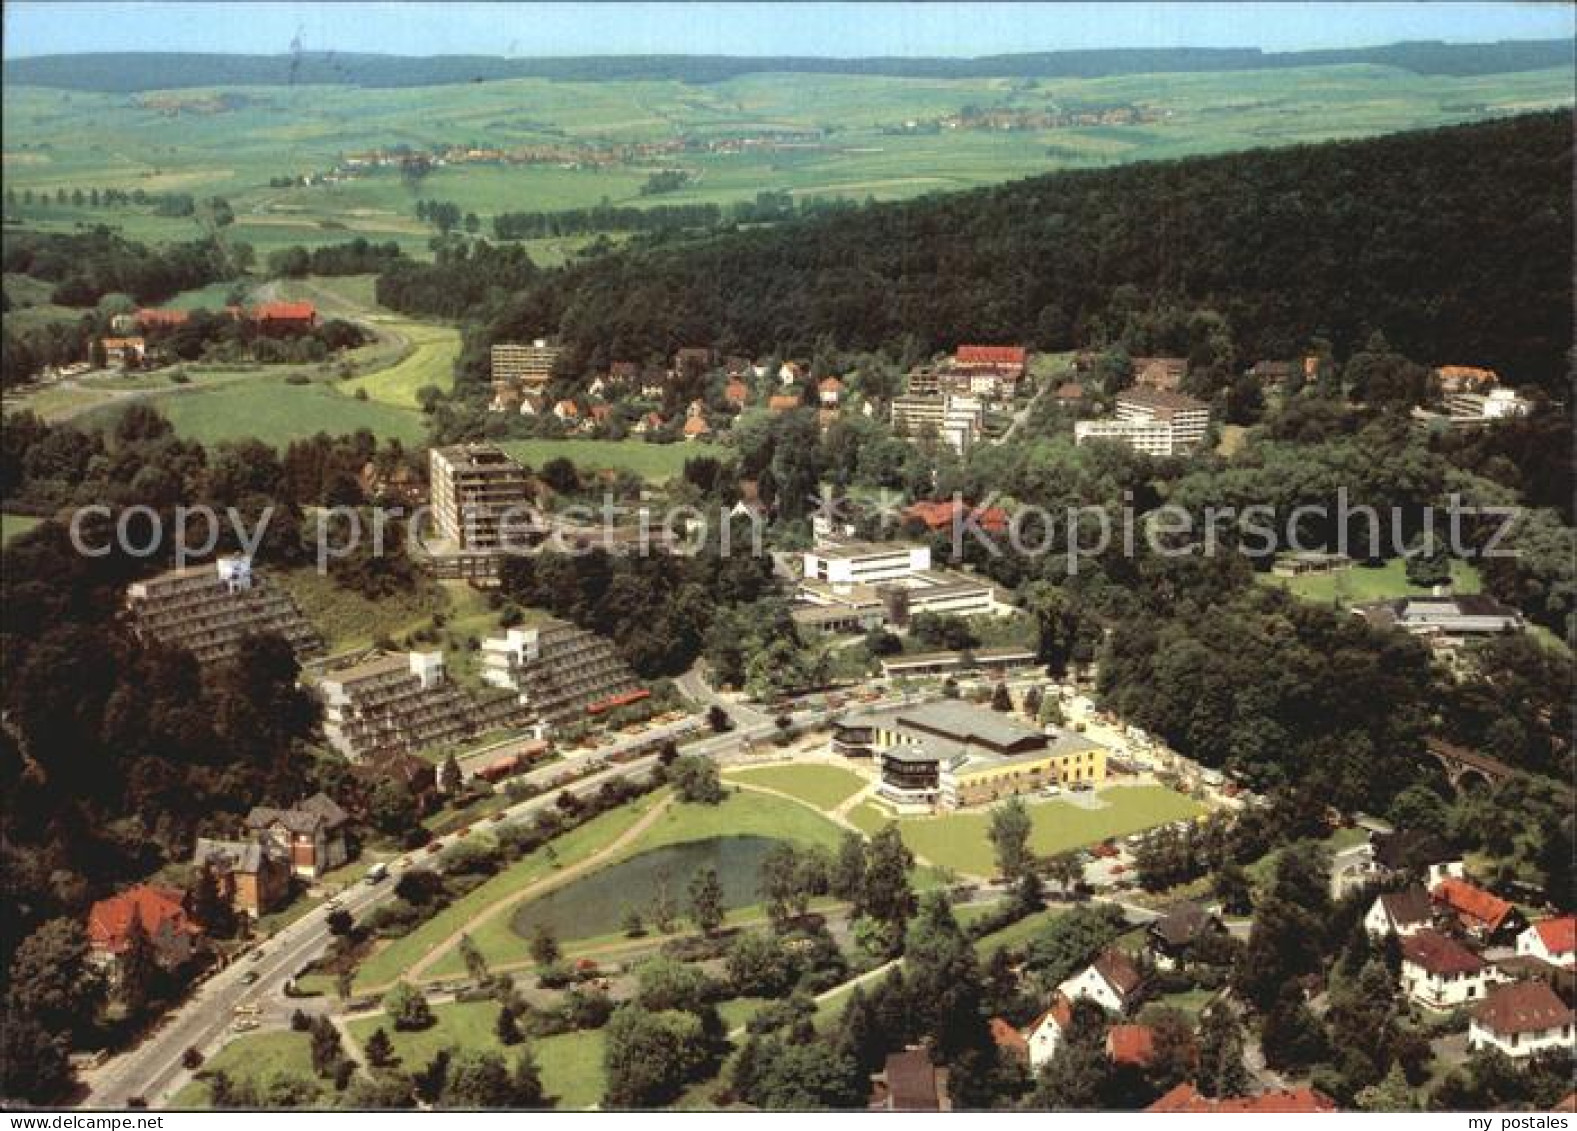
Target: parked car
(249, 977)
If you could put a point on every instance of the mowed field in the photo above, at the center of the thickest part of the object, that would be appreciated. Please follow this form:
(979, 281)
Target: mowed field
(959, 840)
(878, 137)
(1360, 583)
(652, 462)
(825, 787)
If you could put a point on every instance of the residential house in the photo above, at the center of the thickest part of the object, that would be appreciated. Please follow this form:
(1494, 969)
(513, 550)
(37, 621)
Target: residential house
(1551, 940)
(654, 385)
(784, 402)
(1009, 1040)
(173, 934)
(910, 1082)
(1484, 916)
(696, 428)
(1069, 394)
(532, 404)
(126, 352)
(1170, 937)
(567, 411)
(1130, 1045)
(1044, 1034)
(648, 425)
(1164, 374)
(736, 393)
(310, 835)
(251, 877)
(1409, 852)
(1187, 1099)
(285, 317)
(789, 373)
(1440, 973)
(941, 514)
(693, 359)
(1400, 913)
(1112, 981)
(601, 414)
(830, 392)
(1520, 1020)
(161, 319)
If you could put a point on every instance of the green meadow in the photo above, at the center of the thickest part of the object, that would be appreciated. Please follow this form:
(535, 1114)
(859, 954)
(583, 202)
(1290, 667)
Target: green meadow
(879, 138)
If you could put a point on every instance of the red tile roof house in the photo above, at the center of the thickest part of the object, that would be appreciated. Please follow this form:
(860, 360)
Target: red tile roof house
(312, 834)
(696, 427)
(1044, 1034)
(786, 402)
(162, 912)
(1009, 1040)
(1486, 917)
(1553, 940)
(1439, 972)
(938, 515)
(160, 319)
(285, 317)
(736, 393)
(1187, 1099)
(1130, 1044)
(1520, 1020)
(830, 391)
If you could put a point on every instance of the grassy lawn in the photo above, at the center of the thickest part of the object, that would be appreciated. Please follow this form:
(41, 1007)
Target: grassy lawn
(825, 787)
(494, 938)
(1190, 1002)
(1360, 584)
(268, 408)
(571, 1063)
(431, 359)
(739, 1010)
(958, 840)
(1016, 934)
(740, 814)
(256, 1057)
(349, 620)
(652, 462)
(15, 525)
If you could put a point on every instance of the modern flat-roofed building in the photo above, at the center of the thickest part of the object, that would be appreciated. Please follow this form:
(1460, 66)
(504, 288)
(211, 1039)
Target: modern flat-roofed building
(850, 585)
(209, 609)
(953, 754)
(404, 702)
(561, 674)
(1155, 421)
(481, 499)
(1472, 614)
(865, 563)
(522, 367)
(954, 419)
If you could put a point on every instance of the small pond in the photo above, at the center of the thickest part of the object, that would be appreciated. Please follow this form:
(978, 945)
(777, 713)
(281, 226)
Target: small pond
(597, 904)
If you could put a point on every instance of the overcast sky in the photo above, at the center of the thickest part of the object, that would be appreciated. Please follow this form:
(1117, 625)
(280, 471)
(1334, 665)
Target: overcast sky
(37, 27)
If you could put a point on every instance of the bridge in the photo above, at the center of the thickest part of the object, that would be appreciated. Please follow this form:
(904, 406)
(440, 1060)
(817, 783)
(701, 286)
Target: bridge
(1466, 767)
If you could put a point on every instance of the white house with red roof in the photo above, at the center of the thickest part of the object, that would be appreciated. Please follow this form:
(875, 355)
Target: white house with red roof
(1551, 940)
(1044, 1034)
(1483, 915)
(830, 390)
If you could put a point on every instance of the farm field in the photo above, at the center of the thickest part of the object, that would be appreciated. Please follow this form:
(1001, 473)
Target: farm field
(825, 787)
(857, 136)
(959, 841)
(571, 1063)
(652, 462)
(1360, 584)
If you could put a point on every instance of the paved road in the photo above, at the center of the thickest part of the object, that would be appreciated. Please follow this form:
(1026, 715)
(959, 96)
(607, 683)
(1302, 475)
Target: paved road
(153, 1069)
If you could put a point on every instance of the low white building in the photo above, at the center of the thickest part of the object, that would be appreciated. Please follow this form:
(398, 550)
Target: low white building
(1551, 940)
(1044, 1034)
(1520, 1020)
(865, 563)
(1112, 982)
(1440, 973)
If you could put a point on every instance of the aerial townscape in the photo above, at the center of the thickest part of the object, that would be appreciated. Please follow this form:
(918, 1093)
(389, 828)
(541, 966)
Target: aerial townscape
(1009, 580)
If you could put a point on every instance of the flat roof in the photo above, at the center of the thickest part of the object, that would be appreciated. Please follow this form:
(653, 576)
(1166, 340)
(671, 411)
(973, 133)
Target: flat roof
(861, 549)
